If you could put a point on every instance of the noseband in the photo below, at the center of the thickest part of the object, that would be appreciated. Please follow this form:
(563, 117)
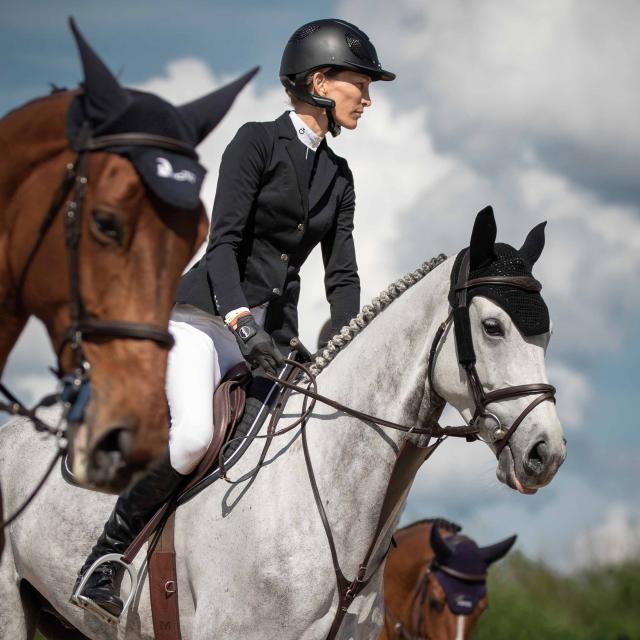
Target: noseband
(467, 357)
(82, 326)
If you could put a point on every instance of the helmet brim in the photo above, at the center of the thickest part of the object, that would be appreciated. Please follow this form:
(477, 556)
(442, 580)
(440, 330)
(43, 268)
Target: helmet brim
(375, 73)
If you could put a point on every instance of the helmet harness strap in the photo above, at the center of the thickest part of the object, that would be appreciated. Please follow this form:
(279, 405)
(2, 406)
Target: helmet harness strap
(298, 88)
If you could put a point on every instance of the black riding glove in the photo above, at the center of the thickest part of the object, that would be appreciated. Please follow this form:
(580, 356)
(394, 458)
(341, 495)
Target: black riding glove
(256, 345)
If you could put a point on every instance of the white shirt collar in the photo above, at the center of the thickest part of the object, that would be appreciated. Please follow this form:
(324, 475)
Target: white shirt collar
(308, 137)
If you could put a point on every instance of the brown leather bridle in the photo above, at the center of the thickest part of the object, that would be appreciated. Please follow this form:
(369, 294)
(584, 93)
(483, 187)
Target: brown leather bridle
(82, 326)
(467, 358)
(419, 598)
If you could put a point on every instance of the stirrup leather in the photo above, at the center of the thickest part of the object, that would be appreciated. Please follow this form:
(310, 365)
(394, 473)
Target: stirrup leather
(88, 604)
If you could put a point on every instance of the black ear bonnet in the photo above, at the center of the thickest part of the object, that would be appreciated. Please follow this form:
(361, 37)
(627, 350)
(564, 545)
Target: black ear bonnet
(105, 108)
(527, 309)
(175, 178)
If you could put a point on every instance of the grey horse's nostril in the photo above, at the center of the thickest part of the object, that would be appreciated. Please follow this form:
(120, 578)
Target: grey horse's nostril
(536, 460)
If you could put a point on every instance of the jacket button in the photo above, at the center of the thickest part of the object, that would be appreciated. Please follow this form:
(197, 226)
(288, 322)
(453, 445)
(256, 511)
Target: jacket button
(284, 257)
(276, 291)
(300, 227)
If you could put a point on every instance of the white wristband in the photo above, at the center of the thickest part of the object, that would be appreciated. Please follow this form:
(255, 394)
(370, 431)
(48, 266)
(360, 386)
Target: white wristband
(228, 319)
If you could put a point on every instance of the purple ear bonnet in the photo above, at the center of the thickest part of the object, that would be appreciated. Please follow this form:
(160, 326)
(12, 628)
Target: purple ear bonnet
(462, 595)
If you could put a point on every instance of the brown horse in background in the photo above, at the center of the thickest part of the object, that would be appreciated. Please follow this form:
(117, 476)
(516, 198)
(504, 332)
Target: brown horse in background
(435, 582)
(133, 245)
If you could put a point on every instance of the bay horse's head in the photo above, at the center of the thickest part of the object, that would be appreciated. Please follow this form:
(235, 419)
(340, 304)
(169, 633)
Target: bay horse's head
(490, 362)
(455, 584)
(131, 168)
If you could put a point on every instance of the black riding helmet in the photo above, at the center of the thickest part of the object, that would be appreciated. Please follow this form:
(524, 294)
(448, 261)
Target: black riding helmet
(327, 43)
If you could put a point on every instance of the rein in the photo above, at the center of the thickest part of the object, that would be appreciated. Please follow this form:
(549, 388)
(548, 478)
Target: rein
(75, 385)
(409, 459)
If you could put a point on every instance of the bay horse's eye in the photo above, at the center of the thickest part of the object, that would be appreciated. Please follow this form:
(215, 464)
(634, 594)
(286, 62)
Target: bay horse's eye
(436, 605)
(106, 226)
(492, 327)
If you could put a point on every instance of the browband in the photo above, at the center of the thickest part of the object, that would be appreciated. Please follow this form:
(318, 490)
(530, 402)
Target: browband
(468, 577)
(137, 140)
(520, 282)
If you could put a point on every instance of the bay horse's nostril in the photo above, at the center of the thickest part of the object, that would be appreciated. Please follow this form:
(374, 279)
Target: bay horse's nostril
(110, 458)
(535, 462)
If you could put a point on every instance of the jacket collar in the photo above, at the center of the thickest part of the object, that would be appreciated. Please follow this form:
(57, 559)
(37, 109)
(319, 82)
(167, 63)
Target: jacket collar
(285, 126)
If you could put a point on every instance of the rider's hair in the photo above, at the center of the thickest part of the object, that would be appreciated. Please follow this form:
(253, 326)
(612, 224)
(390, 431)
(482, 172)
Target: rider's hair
(370, 311)
(329, 72)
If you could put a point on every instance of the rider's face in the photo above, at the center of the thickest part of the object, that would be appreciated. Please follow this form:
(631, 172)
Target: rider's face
(350, 91)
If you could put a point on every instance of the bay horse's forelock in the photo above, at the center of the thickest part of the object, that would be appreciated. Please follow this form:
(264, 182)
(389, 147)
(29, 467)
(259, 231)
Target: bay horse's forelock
(134, 282)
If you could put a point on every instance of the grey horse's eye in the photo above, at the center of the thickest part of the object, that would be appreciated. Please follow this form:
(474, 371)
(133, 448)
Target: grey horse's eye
(106, 226)
(492, 327)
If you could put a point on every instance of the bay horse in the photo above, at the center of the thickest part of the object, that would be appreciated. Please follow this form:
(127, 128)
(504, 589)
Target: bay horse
(254, 559)
(99, 214)
(435, 582)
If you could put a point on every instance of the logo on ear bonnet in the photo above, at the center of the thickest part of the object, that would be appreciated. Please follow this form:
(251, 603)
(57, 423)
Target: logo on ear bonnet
(165, 170)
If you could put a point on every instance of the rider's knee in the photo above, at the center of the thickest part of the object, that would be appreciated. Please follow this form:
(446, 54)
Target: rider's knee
(188, 450)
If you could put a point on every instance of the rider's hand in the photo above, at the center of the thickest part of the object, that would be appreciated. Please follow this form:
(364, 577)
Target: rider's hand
(256, 345)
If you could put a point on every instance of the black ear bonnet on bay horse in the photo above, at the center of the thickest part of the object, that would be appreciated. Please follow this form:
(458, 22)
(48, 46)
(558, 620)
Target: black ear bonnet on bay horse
(484, 259)
(159, 140)
(461, 567)
(105, 108)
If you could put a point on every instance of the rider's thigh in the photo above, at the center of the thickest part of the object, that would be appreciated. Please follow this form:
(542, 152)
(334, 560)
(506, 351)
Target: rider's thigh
(193, 373)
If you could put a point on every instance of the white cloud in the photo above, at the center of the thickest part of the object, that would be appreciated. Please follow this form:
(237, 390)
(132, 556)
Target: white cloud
(614, 541)
(573, 394)
(504, 80)
(26, 374)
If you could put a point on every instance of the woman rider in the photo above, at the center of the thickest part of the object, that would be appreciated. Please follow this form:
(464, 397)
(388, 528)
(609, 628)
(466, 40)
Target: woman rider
(281, 191)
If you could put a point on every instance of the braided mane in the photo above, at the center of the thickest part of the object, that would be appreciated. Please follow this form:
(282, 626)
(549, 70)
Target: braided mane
(340, 341)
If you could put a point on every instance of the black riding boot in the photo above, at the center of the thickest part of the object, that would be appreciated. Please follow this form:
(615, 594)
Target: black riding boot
(134, 508)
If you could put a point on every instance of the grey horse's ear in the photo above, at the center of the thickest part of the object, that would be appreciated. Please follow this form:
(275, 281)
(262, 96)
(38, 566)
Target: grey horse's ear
(441, 548)
(483, 238)
(534, 243)
(496, 551)
(103, 94)
(205, 113)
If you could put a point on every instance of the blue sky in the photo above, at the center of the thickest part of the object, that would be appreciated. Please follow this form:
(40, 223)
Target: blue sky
(531, 107)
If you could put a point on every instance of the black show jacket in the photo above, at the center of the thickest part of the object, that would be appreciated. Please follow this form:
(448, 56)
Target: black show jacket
(266, 221)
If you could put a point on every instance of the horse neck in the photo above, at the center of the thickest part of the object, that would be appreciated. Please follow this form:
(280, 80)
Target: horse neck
(34, 133)
(383, 373)
(406, 568)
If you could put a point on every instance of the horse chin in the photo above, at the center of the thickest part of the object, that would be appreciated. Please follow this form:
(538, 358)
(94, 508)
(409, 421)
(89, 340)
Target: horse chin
(102, 468)
(506, 473)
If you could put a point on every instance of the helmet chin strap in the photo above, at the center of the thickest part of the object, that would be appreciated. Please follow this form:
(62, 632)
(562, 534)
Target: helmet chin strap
(299, 90)
(334, 127)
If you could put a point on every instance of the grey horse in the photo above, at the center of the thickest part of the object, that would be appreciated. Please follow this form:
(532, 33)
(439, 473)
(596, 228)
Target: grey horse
(253, 559)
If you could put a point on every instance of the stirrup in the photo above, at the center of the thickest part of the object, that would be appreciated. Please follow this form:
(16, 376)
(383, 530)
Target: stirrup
(88, 604)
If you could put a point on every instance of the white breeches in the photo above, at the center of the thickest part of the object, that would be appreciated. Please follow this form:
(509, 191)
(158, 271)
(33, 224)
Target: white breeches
(204, 350)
